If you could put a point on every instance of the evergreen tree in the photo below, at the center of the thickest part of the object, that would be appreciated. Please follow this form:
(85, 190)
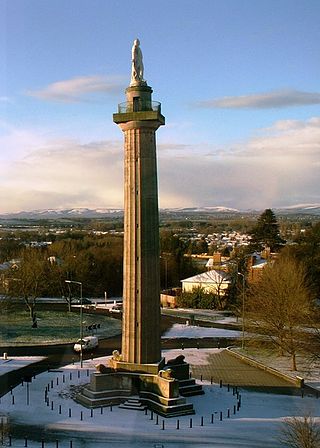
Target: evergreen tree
(266, 232)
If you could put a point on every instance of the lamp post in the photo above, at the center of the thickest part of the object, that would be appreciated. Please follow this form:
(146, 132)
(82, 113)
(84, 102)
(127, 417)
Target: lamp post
(81, 317)
(243, 301)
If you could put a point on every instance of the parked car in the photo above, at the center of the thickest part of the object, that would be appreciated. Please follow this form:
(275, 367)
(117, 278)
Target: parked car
(88, 343)
(116, 308)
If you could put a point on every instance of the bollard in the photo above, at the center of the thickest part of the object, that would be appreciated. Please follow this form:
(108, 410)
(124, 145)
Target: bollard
(51, 384)
(220, 383)
(22, 383)
(57, 443)
(234, 408)
(228, 387)
(25, 441)
(69, 412)
(178, 424)
(162, 425)
(48, 401)
(59, 408)
(70, 376)
(212, 418)
(57, 381)
(101, 410)
(78, 373)
(201, 378)
(70, 443)
(157, 419)
(11, 391)
(51, 405)
(12, 399)
(91, 413)
(81, 415)
(302, 393)
(87, 372)
(146, 411)
(63, 378)
(42, 443)
(211, 381)
(238, 406)
(10, 440)
(190, 423)
(228, 414)
(220, 416)
(151, 415)
(201, 422)
(110, 407)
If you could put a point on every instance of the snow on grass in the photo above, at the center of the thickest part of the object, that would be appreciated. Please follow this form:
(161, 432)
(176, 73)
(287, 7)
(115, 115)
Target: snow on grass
(15, 363)
(255, 425)
(191, 331)
(53, 327)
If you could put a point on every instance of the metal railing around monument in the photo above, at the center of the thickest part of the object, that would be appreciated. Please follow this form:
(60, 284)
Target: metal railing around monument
(139, 106)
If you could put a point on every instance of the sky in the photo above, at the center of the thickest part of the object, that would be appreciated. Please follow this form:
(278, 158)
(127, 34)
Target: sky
(238, 81)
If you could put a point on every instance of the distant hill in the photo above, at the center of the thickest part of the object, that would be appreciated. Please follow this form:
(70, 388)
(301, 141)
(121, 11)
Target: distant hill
(300, 209)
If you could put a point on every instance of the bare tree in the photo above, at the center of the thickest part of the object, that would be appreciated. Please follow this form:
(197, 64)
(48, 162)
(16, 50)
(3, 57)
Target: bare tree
(280, 304)
(29, 280)
(300, 432)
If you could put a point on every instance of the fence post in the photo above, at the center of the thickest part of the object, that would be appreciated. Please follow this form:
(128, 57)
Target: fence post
(178, 424)
(190, 423)
(212, 418)
(220, 416)
(201, 423)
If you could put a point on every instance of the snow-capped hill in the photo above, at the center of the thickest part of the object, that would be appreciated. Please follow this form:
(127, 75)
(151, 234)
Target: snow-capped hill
(313, 209)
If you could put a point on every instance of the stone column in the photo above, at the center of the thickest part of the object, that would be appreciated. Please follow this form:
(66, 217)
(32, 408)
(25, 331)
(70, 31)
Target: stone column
(139, 119)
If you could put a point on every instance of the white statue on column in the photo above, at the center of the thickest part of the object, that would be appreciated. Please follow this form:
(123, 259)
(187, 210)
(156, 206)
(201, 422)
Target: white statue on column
(137, 64)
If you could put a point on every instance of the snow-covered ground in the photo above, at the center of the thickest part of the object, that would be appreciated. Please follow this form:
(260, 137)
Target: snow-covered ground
(191, 331)
(256, 424)
(15, 363)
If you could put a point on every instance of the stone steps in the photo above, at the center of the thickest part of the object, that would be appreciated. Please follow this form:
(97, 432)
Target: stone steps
(133, 404)
(189, 388)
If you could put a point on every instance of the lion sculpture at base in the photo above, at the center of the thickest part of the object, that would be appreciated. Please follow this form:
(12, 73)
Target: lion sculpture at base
(116, 356)
(176, 361)
(166, 374)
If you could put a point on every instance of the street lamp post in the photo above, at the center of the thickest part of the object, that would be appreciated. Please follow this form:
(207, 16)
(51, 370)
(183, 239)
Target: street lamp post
(81, 318)
(243, 309)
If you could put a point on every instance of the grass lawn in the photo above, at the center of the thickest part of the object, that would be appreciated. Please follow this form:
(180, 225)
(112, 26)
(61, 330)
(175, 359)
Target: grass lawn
(53, 327)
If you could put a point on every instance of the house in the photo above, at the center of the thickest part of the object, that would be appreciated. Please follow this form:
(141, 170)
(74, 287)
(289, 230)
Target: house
(212, 282)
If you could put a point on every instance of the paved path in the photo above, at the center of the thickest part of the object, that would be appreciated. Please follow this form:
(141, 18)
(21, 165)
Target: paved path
(231, 370)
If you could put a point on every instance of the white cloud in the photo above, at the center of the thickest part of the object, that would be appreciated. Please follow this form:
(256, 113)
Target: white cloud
(78, 89)
(278, 166)
(268, 100)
